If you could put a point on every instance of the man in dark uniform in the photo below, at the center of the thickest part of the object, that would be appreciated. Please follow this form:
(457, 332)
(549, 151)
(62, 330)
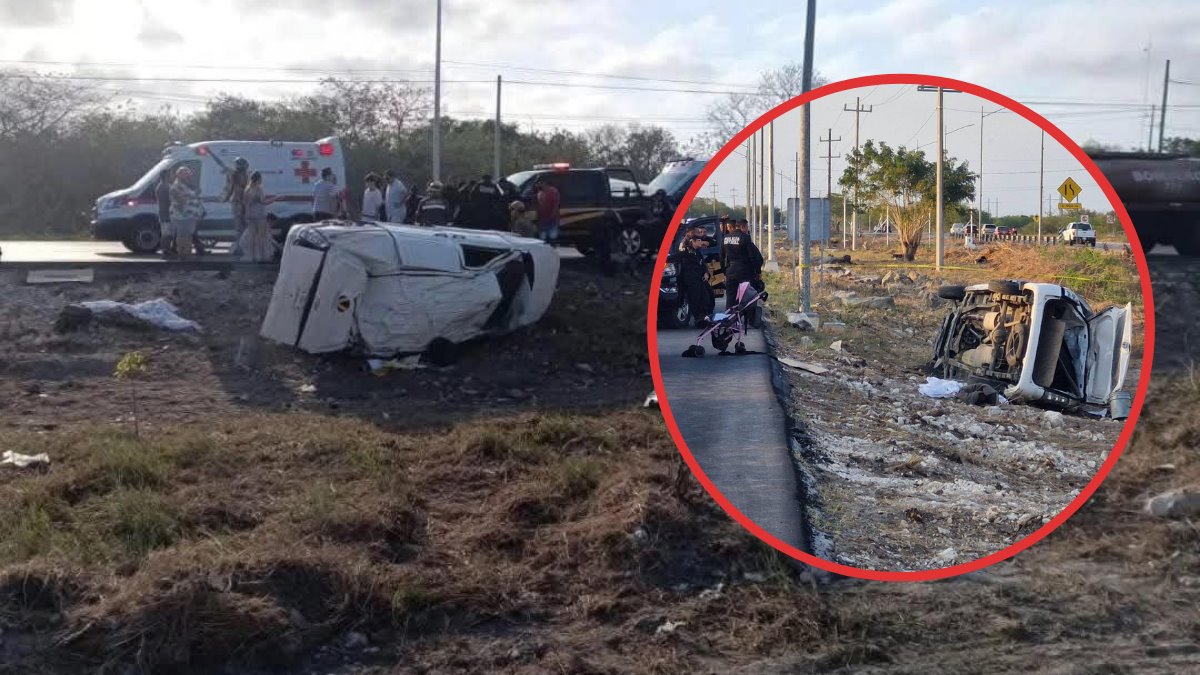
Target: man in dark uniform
(692, 282)
(484, 198)
(740, 259)
(434, 209)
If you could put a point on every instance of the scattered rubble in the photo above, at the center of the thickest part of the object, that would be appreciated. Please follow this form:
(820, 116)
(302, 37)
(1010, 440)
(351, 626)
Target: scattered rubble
(1175, 504)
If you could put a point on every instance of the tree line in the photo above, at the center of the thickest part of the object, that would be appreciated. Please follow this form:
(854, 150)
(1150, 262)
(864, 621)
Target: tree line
(63, 145)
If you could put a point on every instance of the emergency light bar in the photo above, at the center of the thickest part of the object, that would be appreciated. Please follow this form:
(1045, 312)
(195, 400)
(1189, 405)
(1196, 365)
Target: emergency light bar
(325, 149)
(557, 166)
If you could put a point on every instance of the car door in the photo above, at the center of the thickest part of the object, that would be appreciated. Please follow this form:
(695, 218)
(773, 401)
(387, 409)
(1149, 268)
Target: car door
(1110, 341)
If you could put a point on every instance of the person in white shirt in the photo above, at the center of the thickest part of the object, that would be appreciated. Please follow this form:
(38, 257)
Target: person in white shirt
(397, 193)
(326, 197)
(372, 203)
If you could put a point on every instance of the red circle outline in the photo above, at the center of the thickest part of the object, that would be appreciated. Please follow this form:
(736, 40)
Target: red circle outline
(1138, 399)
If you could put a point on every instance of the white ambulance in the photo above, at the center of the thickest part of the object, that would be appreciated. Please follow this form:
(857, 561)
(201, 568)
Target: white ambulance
(289, 170)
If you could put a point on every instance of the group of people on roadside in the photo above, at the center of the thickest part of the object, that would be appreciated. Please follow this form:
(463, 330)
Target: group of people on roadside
(181, 208)
(740, 260)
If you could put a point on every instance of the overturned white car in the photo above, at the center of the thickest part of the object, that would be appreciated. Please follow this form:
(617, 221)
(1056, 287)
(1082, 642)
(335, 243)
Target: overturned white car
(384, 290)
(1036, 343)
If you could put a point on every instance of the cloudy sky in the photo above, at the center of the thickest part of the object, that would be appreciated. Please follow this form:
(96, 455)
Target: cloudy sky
(1091, 66)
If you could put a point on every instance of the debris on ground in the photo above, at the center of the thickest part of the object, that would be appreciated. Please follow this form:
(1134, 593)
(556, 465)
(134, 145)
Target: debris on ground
(22, 461)
(1183, 503)
(384, 366)
(803, 365)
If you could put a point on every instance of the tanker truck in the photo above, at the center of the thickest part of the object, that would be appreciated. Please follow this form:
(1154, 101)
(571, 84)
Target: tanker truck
(1161, 193)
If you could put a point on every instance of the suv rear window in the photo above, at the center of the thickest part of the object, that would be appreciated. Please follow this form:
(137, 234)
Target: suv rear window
(1082, 226)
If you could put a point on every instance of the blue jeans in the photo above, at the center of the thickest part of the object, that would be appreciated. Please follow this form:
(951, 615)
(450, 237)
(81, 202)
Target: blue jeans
(549, 231)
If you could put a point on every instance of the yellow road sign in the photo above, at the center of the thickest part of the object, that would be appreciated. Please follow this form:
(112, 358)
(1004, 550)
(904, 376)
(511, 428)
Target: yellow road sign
(1069, 205)
(1069, 189)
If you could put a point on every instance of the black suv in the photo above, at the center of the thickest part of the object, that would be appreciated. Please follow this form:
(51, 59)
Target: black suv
(673, 311)
(589, 198)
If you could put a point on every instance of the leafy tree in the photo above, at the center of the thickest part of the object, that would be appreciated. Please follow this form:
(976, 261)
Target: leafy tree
(904, 183)
(1182, 146)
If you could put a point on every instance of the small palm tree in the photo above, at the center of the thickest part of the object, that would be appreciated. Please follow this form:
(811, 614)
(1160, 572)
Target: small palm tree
(129, 368)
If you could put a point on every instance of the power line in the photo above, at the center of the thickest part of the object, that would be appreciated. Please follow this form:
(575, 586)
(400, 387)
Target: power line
(476, 64)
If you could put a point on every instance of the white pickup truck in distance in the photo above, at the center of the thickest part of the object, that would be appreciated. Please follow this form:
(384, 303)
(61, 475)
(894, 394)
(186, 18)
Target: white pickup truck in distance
(1079, 233)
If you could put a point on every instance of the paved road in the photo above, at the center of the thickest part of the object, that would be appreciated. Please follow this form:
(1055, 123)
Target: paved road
(732, 422)
(107, 252)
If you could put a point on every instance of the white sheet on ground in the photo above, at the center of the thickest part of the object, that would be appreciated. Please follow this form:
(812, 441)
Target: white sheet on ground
(22, 461)
(936, 387)
(157, 311)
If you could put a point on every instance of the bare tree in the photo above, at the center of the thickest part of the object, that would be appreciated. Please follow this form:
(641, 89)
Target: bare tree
(36, 105)
(737, 110)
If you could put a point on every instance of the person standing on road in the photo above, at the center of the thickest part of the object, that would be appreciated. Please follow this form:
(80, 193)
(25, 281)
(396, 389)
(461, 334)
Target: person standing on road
(162, 193)
(411, 203)
(741, 261)
(434, 209)
(257, 244)
(548, 216)
(372, 203)
(519, 221)
(186, 210)
(394, 200)
(693, 275)
(326, 197)
(235, 191)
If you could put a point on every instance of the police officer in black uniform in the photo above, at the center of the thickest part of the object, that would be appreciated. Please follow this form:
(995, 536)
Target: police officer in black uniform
(740, 259)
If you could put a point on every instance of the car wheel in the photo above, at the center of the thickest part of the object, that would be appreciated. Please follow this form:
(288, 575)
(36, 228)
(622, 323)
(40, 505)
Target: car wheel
(952, 292)
(143, 237)
(629, 241)
(1093, 243)
(1004, 287)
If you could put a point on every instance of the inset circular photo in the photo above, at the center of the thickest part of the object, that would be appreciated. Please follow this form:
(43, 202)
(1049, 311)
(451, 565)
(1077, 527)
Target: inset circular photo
(915, 354)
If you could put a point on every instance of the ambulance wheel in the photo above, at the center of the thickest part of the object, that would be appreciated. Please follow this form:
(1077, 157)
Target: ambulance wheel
(1004, 287)
(144, 237)
(443, 353)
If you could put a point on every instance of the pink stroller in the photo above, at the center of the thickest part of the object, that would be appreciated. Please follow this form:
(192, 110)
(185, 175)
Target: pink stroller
(727, 326)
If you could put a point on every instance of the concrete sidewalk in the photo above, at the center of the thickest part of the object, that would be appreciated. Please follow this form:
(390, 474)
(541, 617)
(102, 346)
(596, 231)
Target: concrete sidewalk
(731, 420)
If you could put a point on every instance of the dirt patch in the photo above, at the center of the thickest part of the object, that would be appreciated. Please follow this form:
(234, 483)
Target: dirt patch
(901, 481)
(586, 351)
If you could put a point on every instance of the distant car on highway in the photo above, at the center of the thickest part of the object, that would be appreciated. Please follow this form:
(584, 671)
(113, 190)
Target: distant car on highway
(958, 229)
(989, 229)
(1006, 229)
(1079, 233)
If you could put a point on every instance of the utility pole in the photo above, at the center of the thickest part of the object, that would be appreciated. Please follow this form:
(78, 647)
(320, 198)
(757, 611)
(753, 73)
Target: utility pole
(829, 157)
(749, 142)
(762, 147)
(857, 110)
(714, 201)
(1042, 183)
(940, 208)
(496, 166)
(752, 205)
(941, 202)
(771, 191)
(979, 197)
(1162, 113)
(437, 98)
(805, 153)
(1150, 136)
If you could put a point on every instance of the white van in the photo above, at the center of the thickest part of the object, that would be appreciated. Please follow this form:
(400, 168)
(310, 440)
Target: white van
(289, 172)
